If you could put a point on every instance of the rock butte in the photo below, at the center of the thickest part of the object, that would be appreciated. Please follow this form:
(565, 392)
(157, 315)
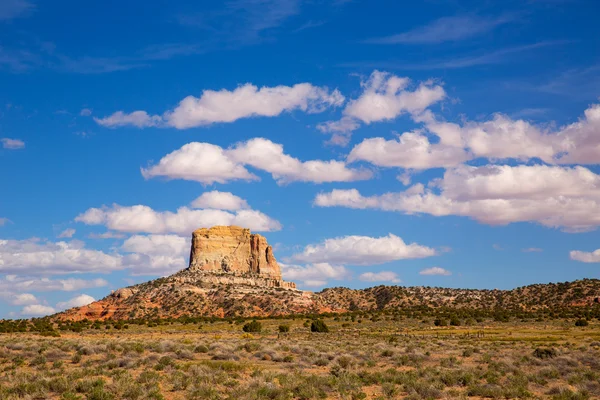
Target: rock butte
(233, 273)
(231, 270)
(232, 251)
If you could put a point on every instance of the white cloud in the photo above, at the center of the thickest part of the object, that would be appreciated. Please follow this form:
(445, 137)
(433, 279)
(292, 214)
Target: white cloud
(268, 156)
(499, 138)
(142, 255)
(383, 276)
(228, 106)
(78, 301)
(362, 250)
(156, 254)
(3, 221)
(184, 221)
(580, 141)
(313, 275)
(558, 197)
(341, 130)
(411, 150)
(435, 271)
(18, 283)
(532, 250)
(445, 29)
(12, 144)
(86, 112)
(106, 235)
(505, 138)
(249, 101)
(208, 163)
(139, 119)
(220, 201)
(24, 299)
(37, 310)
(385, 97)
(200, 162)
(35, 256)
(67, 233)
(157, 244)
(584, 256)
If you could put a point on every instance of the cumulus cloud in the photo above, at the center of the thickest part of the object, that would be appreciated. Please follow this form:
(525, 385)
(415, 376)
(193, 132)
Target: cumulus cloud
(12, 144)
(383, 276)
(558, 197)
(314, 275)
(19, 283)
(24, 299)
(228, 106)
(156, 254)
(184, 221)
(263, 154)
(67, 233)
(208, 163)
(141, 255)
(139, 119)
(412, 150)
(220, 201)
(341, 130)
(27, 256)
(37, 310)
(584, 256)
(362, 250)
(86, 112)
(500, 138)
(201, 162)
(384, 98)
(435, 271)
(77, 301)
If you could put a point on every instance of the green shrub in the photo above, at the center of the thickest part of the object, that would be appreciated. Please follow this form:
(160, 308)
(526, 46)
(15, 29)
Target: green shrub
(284, 328)
(319, 326)
(581, 322)
(543, 353)
(254, 327)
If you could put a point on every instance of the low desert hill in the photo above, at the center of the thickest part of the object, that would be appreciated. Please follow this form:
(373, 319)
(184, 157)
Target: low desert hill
(234, 273)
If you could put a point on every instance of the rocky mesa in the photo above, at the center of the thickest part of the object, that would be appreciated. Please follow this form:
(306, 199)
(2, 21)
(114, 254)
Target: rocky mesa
(234, 273)
(231, 272)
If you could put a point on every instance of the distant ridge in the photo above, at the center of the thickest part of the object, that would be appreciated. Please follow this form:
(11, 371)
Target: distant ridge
(234, 273)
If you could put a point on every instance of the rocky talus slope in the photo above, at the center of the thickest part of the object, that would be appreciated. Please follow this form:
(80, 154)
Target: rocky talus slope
(233, 272)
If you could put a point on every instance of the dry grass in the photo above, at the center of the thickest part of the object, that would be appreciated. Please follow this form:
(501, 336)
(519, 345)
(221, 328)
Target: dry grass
(385, 359)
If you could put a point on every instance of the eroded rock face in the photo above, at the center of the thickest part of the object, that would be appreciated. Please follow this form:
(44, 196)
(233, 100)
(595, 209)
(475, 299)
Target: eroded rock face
(231, 250)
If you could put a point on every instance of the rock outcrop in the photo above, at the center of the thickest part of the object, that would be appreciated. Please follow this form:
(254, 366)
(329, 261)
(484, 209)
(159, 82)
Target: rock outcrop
(232, 272)
(233, 253)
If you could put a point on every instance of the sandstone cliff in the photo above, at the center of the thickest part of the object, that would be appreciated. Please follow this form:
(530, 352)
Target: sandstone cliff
(234, 251)
(231, 272)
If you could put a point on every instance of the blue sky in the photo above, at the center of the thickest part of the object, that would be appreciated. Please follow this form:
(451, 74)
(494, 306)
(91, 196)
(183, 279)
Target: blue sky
(452, 143)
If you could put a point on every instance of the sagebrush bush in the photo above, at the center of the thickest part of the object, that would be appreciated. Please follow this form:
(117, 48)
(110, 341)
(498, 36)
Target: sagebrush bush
(319, 326)
(252, 327)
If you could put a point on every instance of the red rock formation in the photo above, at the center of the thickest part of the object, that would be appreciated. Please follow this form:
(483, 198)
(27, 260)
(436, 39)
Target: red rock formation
(231, 249)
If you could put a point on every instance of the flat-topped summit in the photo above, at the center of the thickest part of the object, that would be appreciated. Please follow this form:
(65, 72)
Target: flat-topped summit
(232, 249)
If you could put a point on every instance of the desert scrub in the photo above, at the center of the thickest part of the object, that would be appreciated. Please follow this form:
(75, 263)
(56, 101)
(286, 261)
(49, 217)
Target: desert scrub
(252, 327)
(319, 326)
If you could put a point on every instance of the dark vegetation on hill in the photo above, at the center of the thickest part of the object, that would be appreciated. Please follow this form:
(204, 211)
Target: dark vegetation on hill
(576, 301)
